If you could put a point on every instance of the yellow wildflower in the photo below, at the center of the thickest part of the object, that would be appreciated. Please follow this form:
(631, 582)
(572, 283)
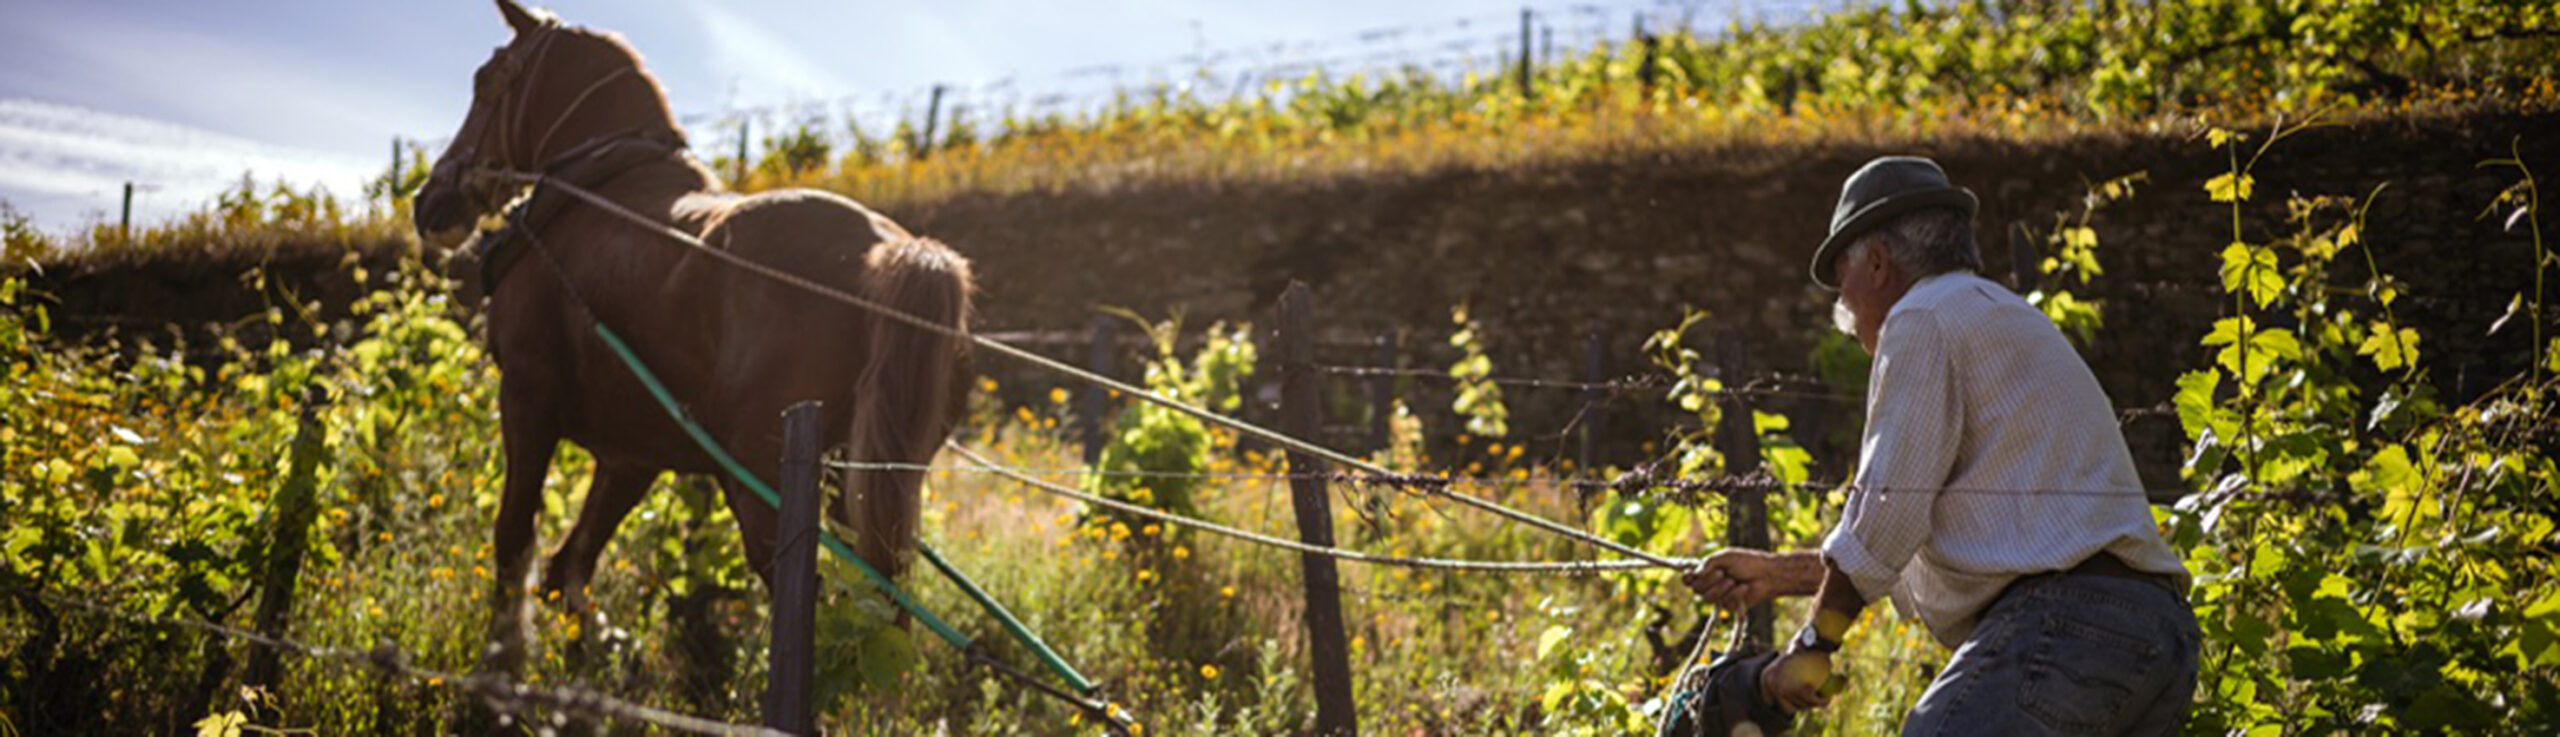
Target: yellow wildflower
(1208, 671)
(1180, 552)
(1058, 395)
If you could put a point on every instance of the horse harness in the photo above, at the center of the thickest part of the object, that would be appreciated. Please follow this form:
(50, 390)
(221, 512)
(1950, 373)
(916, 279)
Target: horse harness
(592, 163)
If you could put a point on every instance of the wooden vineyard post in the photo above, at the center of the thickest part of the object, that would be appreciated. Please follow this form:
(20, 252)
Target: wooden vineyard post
(1528, 78)
(1382, 396)
(296, 505)
(1595, 370)
(787, 702)
(745, 126)
(932, 119)
(2023, 262)
(1746, 510)
(1094, 402)
(1302, 415)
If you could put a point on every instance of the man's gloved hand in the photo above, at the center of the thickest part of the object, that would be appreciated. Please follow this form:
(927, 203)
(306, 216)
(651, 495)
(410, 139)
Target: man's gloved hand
(1796, 681)
(1735, 578)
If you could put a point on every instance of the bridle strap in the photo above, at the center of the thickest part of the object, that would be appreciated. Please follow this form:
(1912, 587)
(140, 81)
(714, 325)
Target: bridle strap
(580, 101)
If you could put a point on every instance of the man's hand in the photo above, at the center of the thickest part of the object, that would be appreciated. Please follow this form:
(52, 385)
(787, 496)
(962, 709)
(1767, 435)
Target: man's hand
(1736, 579)
(1794, 681)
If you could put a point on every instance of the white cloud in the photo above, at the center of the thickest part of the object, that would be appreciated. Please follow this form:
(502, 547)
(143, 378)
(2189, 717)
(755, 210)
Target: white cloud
(758, 65)
(65, 166)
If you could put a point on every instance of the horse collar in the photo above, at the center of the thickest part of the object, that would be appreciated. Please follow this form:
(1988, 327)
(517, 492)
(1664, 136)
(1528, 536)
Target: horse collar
(589, 164)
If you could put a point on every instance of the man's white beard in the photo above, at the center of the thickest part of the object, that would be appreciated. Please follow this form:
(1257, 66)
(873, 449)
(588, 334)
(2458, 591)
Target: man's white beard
(1842, 318)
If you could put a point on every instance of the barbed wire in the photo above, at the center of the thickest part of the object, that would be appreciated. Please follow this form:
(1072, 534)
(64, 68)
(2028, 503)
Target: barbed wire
(1650, 478)
(509, 698)
(1761, 385)
(985, 465)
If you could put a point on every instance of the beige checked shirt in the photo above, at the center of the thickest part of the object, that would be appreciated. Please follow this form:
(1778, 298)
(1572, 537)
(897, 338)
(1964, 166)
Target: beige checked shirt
(1990, 453)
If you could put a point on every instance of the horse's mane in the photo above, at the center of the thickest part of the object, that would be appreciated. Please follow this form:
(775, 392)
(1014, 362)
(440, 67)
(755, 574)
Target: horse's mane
(639, 66)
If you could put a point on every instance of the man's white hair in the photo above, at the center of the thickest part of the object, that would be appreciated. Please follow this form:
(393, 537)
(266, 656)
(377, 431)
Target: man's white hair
(1926, 243)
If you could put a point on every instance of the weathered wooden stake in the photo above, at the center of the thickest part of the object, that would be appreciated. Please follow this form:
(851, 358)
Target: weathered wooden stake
(1302, 415)
(295, 506)
(1644, 68)
(932, 117)
(124, 225)
(787, 700)
(1595, 369)
(745, 126)
(1094, 402)
(1746, 510)
(1382, 395)
(2024, 265)
(1528, 83)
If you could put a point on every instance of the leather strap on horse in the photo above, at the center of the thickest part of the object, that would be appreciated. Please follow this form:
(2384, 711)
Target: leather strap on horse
(594, 162)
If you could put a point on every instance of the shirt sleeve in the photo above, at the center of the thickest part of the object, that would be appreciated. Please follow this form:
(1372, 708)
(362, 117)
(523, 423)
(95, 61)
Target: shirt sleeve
(1914, 423)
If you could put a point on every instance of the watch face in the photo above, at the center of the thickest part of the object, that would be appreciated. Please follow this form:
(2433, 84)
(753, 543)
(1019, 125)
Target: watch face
(1809, 639)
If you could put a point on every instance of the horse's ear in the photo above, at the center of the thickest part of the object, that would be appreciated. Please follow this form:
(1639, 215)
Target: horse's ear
(524, 21)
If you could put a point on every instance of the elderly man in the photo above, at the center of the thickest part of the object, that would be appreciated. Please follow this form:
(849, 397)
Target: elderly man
(1994, 498)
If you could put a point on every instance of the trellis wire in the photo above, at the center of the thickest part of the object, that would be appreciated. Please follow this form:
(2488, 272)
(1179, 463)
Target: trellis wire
(1641, 479)
(988, 466)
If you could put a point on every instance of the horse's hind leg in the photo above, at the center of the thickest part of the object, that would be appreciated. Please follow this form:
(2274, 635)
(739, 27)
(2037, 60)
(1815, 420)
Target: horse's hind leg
(618, 486)
(530, 437)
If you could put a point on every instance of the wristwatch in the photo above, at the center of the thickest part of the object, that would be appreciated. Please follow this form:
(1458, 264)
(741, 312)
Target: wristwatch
(1812, 640)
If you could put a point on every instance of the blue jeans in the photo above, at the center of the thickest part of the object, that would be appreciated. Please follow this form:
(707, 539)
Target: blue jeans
(2066, 654)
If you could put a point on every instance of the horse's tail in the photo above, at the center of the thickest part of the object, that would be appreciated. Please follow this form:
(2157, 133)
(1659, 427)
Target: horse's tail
(912, 390)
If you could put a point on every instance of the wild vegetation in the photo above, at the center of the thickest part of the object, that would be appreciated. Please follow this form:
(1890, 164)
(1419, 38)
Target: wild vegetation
(2371, 557)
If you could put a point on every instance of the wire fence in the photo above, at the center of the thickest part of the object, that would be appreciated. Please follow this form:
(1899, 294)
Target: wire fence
(1650, 479)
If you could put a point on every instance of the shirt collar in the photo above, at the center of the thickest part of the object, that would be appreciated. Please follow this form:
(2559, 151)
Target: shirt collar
(1929, 289)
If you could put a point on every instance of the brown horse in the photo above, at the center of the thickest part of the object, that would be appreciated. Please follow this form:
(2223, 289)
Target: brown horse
(735, 348)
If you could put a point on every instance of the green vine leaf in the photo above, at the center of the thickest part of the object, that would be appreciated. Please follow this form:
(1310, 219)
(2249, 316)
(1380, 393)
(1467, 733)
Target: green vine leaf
(2253, 271)
(2390, 348)
(2231, 187)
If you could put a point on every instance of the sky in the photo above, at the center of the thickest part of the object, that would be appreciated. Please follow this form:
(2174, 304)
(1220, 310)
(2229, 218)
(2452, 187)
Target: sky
(185, 97)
